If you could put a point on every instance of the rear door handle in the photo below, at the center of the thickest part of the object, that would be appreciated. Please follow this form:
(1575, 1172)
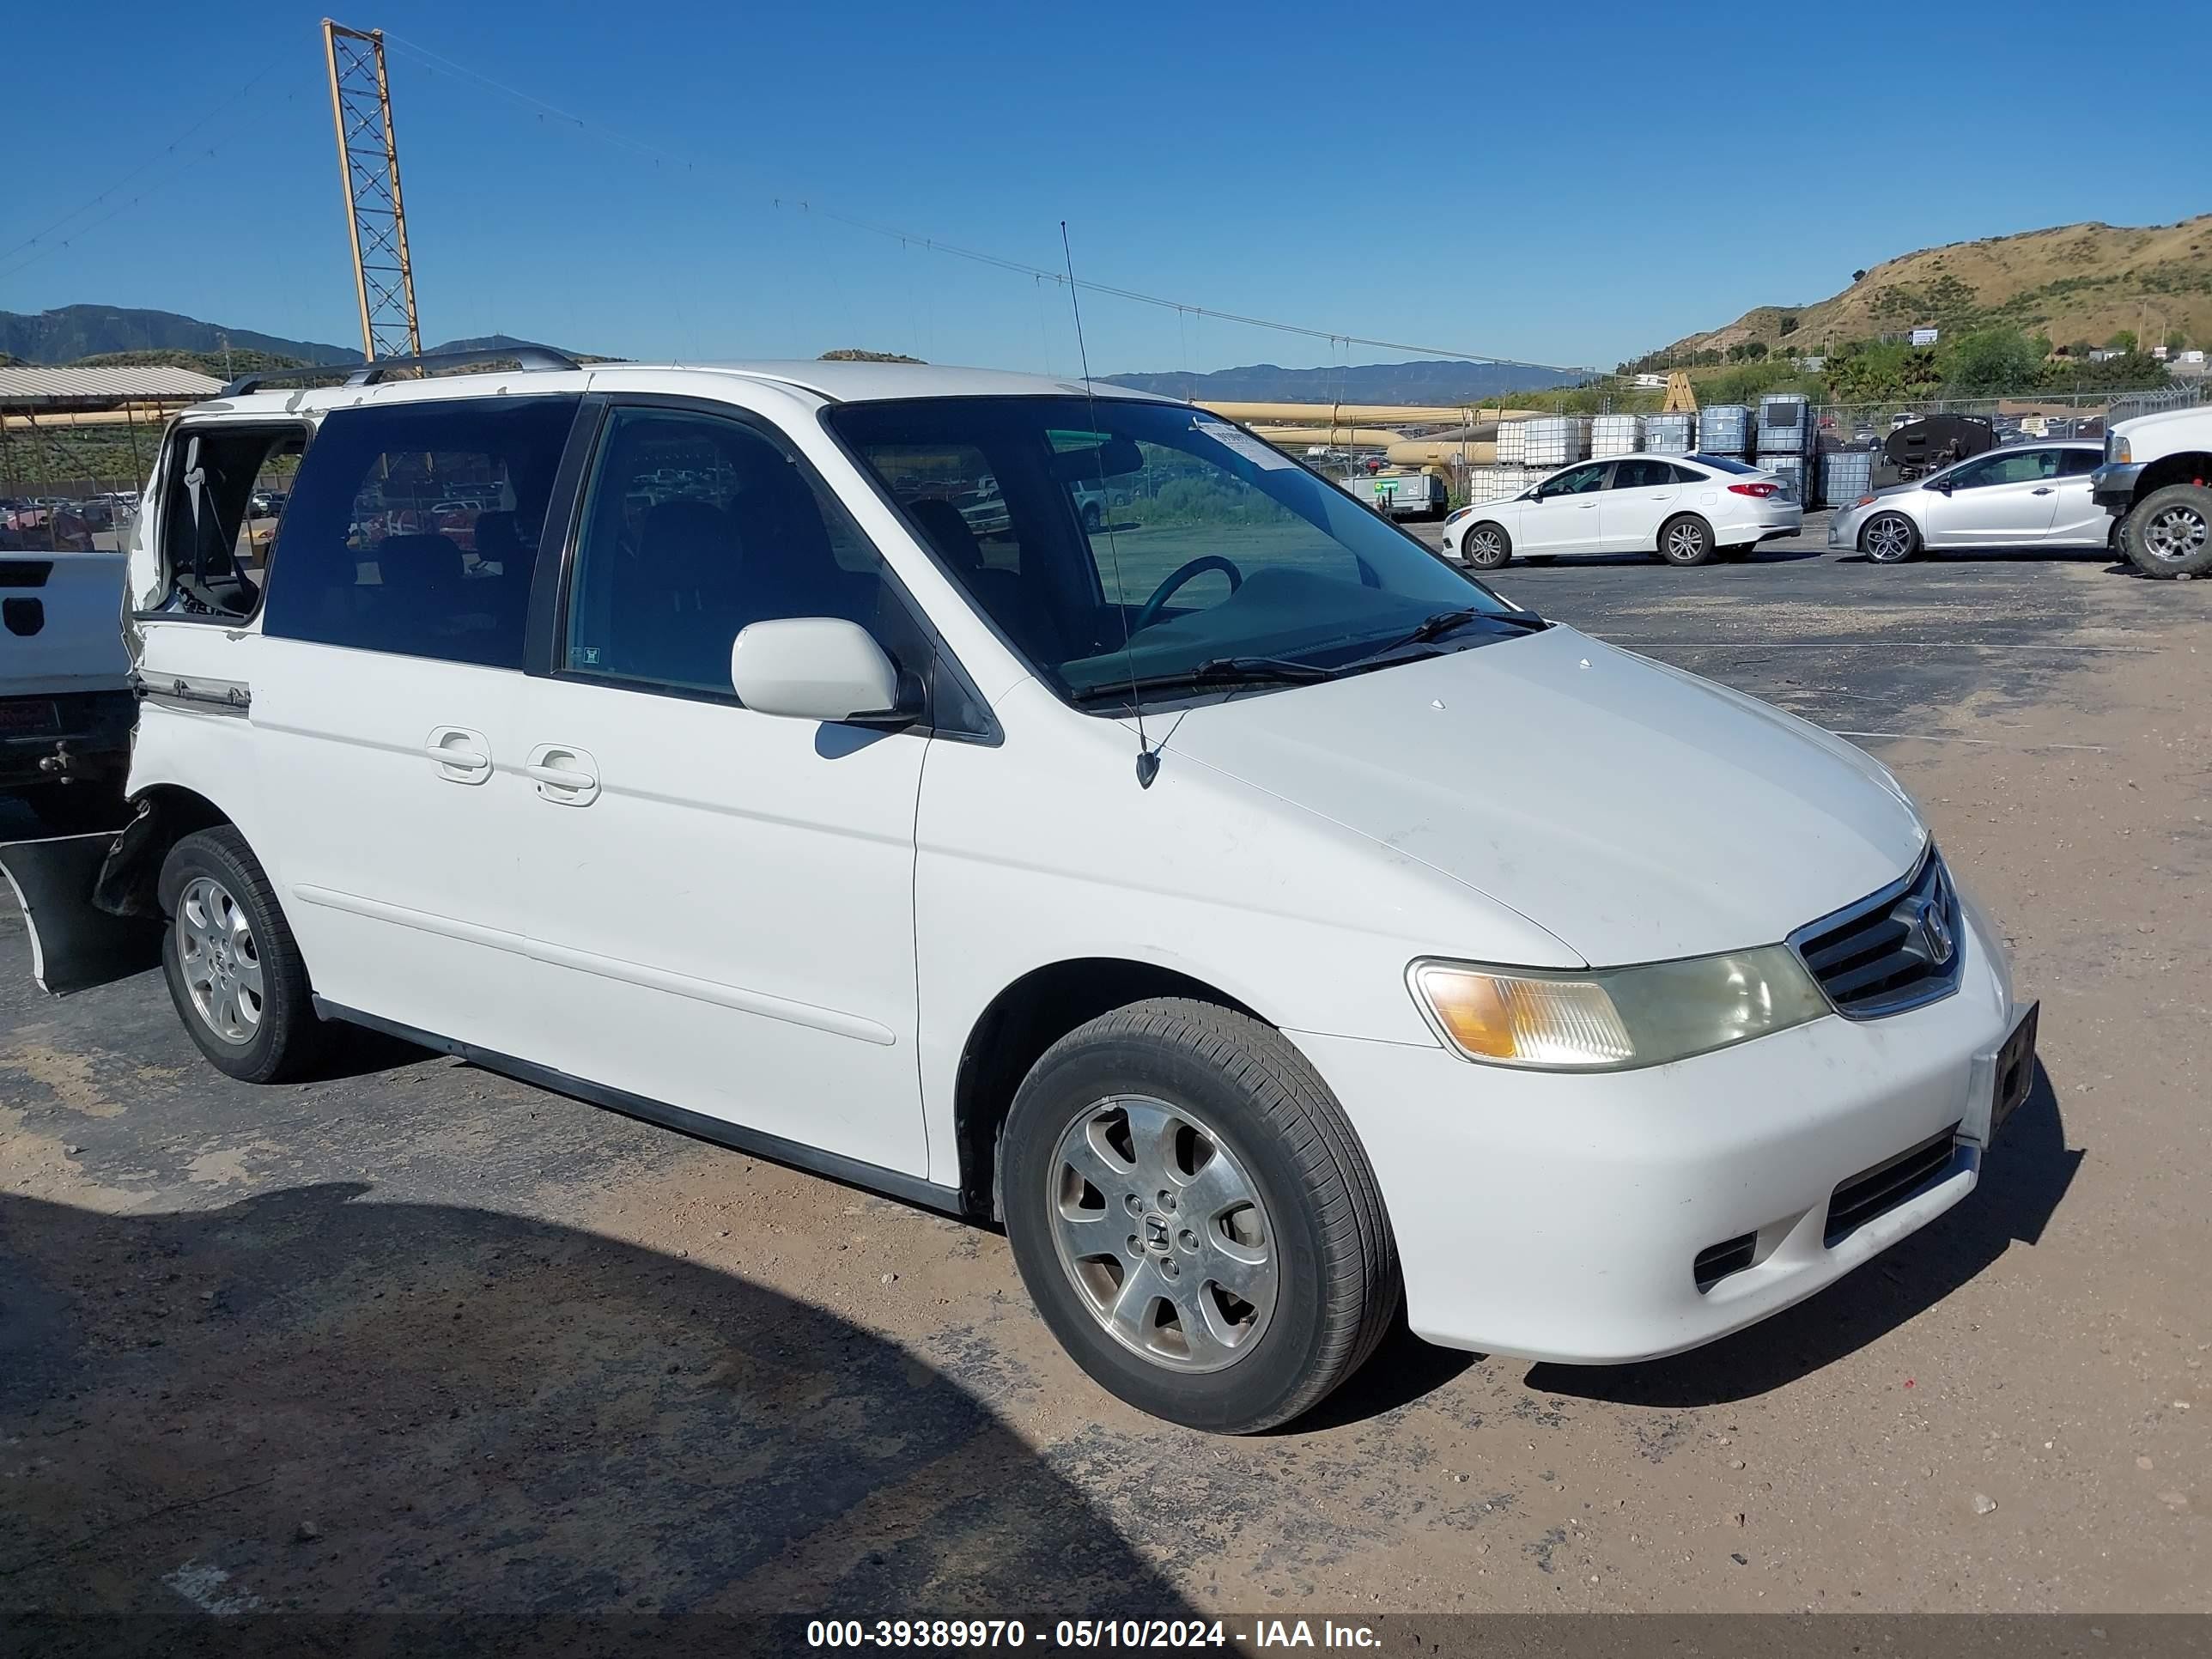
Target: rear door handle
(566, 776)
(461, 755)
(2044, 490)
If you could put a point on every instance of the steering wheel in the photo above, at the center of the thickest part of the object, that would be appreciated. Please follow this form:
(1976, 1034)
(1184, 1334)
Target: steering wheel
(1176, 578)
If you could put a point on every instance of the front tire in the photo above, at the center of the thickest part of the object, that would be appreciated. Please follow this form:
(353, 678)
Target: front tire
(1890, 538)
(1486, 546)
(234, 970)
(1195, 1216)
(1687, 541)
(2169, 533)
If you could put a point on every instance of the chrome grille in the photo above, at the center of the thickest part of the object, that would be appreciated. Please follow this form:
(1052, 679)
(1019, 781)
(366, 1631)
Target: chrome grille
(1893, 950)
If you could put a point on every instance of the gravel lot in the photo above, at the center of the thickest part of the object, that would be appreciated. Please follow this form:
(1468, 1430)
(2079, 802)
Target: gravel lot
(420, 1337)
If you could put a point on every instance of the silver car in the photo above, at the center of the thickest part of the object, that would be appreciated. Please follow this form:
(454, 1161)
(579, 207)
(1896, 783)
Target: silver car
(2033, 495)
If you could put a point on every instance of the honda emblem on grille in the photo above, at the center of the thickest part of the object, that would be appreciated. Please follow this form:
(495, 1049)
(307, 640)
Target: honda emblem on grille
(1934, 927)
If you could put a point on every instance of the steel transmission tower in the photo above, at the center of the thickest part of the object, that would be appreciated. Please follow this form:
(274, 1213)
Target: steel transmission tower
(369, 162)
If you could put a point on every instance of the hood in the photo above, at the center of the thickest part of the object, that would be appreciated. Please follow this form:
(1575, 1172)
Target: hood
(1634, 812)
(2143, 423)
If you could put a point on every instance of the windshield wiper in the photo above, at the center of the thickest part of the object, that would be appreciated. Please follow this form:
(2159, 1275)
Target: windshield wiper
(1213, 671)
(1436, 627)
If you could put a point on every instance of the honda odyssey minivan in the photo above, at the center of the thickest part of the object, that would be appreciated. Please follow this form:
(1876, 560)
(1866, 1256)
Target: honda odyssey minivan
(1265, 921)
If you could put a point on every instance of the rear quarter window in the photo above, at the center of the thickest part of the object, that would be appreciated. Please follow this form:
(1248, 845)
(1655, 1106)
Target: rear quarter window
(415, 529)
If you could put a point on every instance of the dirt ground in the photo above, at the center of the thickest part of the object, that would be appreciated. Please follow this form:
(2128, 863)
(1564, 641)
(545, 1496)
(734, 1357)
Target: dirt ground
(420, 1337)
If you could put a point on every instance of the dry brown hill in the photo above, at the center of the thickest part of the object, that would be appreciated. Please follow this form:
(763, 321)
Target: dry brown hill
(2073, 283)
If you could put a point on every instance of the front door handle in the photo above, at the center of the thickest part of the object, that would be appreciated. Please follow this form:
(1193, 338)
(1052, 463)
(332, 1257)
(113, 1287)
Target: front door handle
(566, 776)
(461, 755)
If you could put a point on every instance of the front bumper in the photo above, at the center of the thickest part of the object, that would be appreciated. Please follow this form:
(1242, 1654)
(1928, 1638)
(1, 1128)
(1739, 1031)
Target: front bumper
(2112, 486)
(1562, 1218)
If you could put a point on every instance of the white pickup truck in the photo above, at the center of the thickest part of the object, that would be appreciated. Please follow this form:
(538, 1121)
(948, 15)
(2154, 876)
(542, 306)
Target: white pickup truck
(2157, 478)
(66, 705)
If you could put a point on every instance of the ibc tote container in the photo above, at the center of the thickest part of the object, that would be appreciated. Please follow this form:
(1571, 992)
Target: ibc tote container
(1725, 429)
(1616, 434)
(1790, 469)
(1670, 434)
(1558, 440)
(1487, 484)
(1846, 474)
(1512, 443)
(1785, 425)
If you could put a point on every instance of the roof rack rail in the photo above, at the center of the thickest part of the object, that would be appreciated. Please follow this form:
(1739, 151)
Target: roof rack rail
(369, 374)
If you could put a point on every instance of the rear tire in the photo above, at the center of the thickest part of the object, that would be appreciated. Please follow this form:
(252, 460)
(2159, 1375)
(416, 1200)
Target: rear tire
(2169, 533)
(1686, 540)
(234, 970)
(1092, 518)
(1172, 1141)
(1486, 546)
(1890, 538)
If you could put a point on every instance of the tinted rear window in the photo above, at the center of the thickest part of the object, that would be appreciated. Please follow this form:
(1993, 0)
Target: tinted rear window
(1721, 463)
(413, 528)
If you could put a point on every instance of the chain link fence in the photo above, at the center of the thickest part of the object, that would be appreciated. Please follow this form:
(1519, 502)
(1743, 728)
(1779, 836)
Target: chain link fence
(70, 484)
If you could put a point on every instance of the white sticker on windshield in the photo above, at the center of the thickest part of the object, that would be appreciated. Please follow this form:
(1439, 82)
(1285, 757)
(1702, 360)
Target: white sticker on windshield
(1246, 445)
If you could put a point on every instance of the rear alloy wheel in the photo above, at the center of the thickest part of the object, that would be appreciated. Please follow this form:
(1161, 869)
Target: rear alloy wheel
(233, 971)
(1687, 541)
(1194, 1218)
(2170, 531)
(1889, 538)
(1486, 546)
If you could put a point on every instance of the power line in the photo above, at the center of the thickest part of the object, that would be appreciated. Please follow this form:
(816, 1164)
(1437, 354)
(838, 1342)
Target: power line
(225, 106)
(977, 256)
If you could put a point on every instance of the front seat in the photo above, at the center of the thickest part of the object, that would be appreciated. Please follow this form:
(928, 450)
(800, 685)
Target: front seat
(1004, 596)
(675, 613)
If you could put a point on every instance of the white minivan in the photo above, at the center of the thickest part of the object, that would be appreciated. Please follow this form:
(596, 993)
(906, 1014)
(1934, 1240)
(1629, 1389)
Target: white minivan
(1262, 920)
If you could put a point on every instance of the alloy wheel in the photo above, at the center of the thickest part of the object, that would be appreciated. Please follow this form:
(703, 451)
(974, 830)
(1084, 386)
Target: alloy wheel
(1889, 539)
(1483, 546)
(222, 963)
(1686, 543)
(2176, 533)
(1162, 1233)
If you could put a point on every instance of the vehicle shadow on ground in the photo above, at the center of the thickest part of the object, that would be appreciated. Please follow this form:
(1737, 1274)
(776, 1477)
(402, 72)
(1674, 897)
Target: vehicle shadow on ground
(2113, 566)
(2024, 1178)
(314, 1401)
(1572, 561)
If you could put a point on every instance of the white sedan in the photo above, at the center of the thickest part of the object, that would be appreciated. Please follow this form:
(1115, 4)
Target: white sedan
(1688, 510)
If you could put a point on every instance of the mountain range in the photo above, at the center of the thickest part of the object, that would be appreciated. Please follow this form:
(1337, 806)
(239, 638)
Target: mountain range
(1437, 380)
(74, 332)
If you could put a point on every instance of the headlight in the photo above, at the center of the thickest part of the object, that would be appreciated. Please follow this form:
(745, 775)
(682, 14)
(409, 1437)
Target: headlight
(2116, 449)
(1615, 1019)
(1454, 517)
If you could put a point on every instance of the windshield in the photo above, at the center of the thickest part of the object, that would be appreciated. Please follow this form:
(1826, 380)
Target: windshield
(1075, 527)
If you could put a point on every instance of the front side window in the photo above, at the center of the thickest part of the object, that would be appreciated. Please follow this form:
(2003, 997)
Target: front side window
(695, 527)
(1577, 480)
(413, 528)
(1208, 550)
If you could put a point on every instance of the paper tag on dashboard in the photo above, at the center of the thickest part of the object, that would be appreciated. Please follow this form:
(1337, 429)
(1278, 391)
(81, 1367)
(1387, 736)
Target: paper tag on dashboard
(1244, 444)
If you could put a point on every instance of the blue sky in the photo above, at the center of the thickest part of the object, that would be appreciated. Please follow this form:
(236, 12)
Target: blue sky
(1558, 185)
